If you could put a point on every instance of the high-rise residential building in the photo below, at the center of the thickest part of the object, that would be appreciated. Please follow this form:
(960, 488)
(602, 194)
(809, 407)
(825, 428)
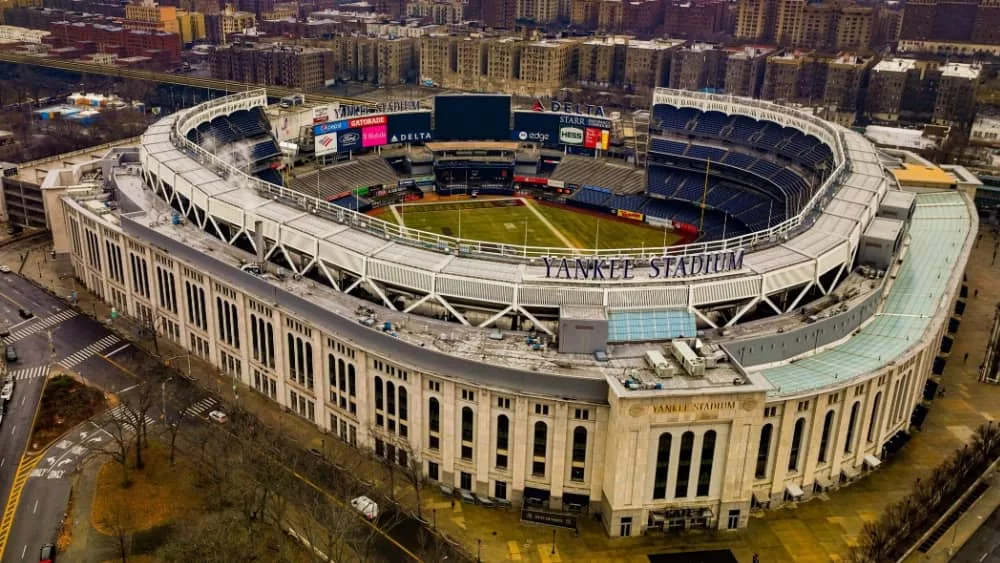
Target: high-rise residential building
(921, 91)
(601, 61)
(796, 77)
(755, 20)
(150, 16)
(598, 15)
(647, 64)
(191, 26)
(297, 67)
(841, 92)
(499, 14)
(745, 71)
(437, 57)
(504, 59)
(699, 20)
(9, 4)
(547, 65)
(218, 27)
(699, 66)
(969, 21)
(642, 17)
(396, 60)
(538, 11)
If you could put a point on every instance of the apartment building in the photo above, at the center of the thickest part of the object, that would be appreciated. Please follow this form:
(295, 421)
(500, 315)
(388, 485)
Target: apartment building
(745, 71)
(218, 27)
(396, 61)
(698, 66)
(647, 64)
(498, 14)
(150, 16)
(537, 11)
(601, 62)
(162, 49)
(547, 65)
(755, 20)
(297, 67)
(917, 91)
(642, 17)
(698, 20)
(191, 26)
(972, 21)
(795, 76)
(827, 26)
(598, 15)
(6, 5)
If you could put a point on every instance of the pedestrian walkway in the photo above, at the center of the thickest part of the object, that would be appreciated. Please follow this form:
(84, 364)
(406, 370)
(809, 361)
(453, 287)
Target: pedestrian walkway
(29, 373)
(201, 407)
(83, 355)
(122, 414)
(955, 537)
(39, 325)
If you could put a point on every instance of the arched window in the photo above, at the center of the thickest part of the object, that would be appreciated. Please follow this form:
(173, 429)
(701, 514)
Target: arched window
(662, 466)
(793, 454)
(342, 375)
(874, 419)
(763, 451)
(351, 385)
(705, 467)
(467, 424)
(434, 415)
(402, 403)
(390, 397)
(580, 444)
(378, 393)
(852, 427)
(824, 438)
(541, 439)
(684, 465)
(503, 432)
(291, 354)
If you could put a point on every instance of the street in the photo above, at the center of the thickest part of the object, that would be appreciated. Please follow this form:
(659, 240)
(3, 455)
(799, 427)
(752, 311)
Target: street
(984, 545)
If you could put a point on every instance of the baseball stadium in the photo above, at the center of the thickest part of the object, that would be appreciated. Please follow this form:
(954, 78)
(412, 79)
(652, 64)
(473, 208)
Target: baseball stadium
(667, 320)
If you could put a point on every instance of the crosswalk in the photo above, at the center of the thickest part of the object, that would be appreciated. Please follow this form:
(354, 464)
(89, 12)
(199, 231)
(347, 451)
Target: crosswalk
(39, 325)
(122, 415)
(82, 355)
(200, 408)
(29, 373)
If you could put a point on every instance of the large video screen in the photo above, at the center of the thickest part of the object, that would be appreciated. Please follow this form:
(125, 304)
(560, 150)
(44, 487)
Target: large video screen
(410, 127)
(471, 117)
(536, 127)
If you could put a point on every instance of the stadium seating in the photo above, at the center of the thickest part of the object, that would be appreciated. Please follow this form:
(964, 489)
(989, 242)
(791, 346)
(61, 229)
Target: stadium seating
(360, 172)
(666, 146)
(711, 123)
(270, 175)
(585, 171)
(627, 202)
(590, 198)
(705, 153)
(265, 149)
(249, 123)
(353, 203)
(671, 118)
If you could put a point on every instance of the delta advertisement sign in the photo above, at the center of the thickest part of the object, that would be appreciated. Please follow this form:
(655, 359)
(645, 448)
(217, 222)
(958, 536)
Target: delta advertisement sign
(561, 129)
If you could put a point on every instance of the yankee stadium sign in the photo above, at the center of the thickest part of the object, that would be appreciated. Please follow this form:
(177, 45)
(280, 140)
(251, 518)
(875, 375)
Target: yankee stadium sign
(663, 267)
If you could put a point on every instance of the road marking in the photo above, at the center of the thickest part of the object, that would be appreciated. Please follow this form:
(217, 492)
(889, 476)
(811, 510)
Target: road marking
(113, 352)
(16, 304)
(24, 471)
(25, 321)
(13, 429)
(545, 221)
(127, 389)
(201, 407)
(35, 509)
(43, 324)
(3, 461)
(29, 373)
(23, 551)
(984, 556)
(82, 355)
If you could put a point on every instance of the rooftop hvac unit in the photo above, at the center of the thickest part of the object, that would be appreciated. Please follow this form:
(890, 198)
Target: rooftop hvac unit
(693, 364)
(659, 364)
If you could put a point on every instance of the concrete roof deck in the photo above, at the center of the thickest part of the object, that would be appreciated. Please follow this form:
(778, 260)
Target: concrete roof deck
(940, 232)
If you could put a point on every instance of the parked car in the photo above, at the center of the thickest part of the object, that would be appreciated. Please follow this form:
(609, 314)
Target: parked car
(218, 416)
(4, 269)
(11, 354)
(25, 314)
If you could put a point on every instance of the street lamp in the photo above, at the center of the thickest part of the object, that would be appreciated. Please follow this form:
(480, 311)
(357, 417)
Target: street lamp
(184, 355)
(163, 395)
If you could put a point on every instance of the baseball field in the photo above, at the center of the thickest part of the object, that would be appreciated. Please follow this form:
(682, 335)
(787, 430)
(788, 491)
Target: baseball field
(525, 221)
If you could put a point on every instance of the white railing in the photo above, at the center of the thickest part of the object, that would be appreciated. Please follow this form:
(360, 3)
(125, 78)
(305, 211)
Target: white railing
(188, 119)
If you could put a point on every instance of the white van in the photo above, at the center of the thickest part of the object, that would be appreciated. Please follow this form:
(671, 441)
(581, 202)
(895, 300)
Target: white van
(366, 506)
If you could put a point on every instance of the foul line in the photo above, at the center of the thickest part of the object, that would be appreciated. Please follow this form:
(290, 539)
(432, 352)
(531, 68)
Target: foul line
(531, 206)
(399, 218)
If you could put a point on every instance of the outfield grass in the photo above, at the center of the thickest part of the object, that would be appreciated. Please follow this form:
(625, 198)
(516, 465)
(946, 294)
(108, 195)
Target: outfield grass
(484, 220)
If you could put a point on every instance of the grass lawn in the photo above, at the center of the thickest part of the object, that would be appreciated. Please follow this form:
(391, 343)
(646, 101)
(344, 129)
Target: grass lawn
(158, 495)
(489, 220)
(66, 402)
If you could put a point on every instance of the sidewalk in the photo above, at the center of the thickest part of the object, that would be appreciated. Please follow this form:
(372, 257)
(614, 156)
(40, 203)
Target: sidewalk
(952, 541)
(819, 530)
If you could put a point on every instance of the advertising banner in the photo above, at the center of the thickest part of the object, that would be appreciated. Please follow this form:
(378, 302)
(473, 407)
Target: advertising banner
(633, 215)
(369, 121)
(349, 140)
(571, 135)
(413, 127)
(595, 138)
(535, 127)
(326, 143)
(374, 136)
(329, 127)
(659, 222)
(321, 114)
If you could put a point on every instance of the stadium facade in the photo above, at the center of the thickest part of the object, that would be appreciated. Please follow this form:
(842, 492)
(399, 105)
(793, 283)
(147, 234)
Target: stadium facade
(806, 342)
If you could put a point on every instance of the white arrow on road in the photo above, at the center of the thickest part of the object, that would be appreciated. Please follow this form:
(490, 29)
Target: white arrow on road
(84, 435)
(50, 460)
(95, 439)
(64, 462)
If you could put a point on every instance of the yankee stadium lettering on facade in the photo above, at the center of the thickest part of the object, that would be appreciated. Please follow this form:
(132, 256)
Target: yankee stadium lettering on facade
(595, 269)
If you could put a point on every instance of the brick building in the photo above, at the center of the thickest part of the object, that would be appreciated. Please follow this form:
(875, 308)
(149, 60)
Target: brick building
(699, 20)
(297, 67)
(698, 66)
(164, 49)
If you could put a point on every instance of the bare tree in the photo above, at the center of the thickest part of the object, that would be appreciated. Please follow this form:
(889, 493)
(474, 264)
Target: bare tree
(119, 430)
(135, 412)
(119, 521)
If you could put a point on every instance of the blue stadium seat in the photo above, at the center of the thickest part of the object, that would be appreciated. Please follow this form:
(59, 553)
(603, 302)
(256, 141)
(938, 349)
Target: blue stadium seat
(768, 137)
(248, 123)
(665, 146)
(711, 123)
(672, 118)
(627, 202)
(704, 153)
(264, 150)
(765, 168)
(739, 160)
(589, 197)
(270, 175)
(743, 128)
